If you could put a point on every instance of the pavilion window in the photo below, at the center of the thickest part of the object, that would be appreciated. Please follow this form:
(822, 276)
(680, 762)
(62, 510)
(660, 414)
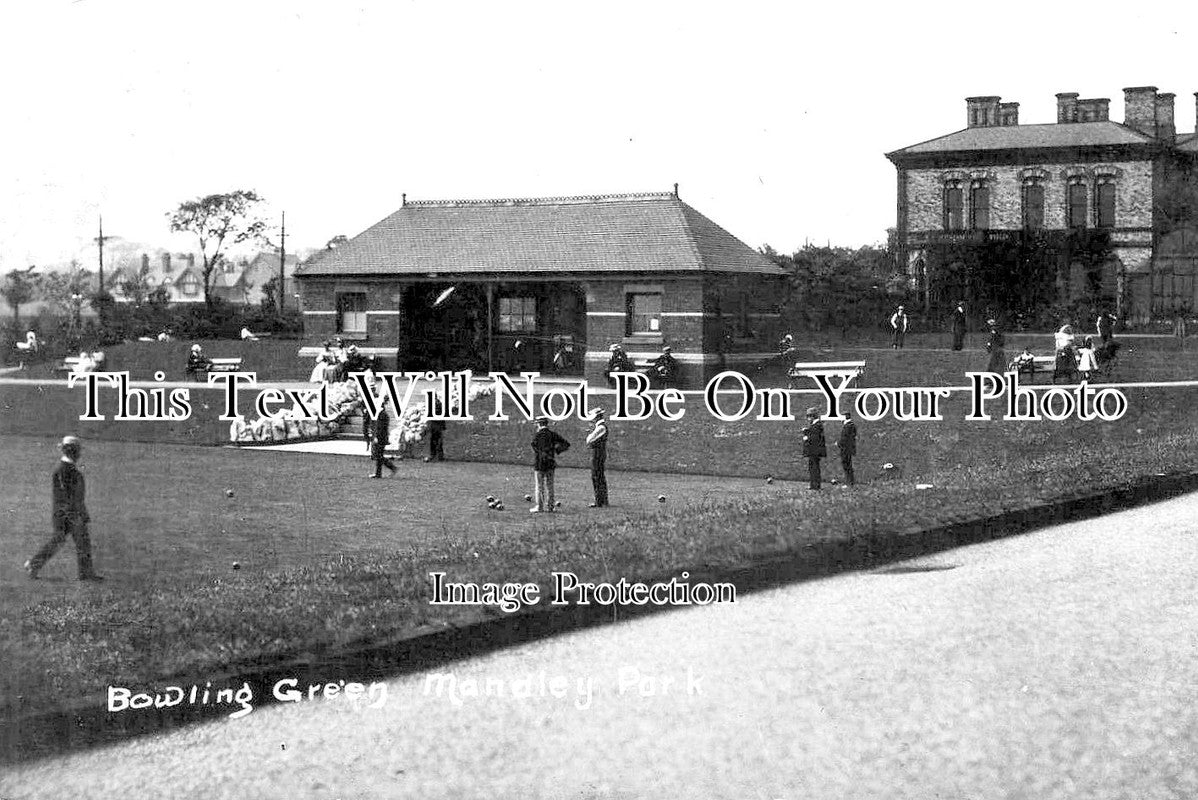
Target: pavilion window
(517, 314)
(643, 315)
(351, 312)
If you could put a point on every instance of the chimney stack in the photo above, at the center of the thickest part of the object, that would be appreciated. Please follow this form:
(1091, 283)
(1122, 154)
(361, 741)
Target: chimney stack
(166, 263)
(1008, 113)
(982, 111)
(1067, 107)
(1139, 109)
(1094, 109)
(1166, 128)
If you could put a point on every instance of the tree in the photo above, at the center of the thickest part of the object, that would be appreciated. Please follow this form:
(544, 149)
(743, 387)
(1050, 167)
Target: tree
(18, 289)
(66, 292)
(270, 290)
(135, 286)
(219, 221)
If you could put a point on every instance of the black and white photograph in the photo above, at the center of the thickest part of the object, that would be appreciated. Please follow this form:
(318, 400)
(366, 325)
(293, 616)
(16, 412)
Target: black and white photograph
(623, 400)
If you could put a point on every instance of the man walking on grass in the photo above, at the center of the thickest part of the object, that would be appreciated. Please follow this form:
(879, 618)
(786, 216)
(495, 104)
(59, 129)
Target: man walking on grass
(547, 445)
(69, 513)
(378, 446)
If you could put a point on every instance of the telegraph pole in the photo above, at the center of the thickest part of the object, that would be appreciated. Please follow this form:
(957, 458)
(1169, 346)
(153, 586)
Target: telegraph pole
(102, 294)
(100, 240)
(282, 263)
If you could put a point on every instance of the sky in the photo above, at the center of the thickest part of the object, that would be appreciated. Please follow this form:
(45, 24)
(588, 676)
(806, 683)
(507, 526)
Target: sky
(773, 118)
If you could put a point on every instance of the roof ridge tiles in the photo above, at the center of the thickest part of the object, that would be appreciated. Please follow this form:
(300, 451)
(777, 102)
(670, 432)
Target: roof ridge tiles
(544, 201)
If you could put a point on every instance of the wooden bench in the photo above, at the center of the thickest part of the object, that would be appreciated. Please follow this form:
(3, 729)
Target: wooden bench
(71, 363)
(808, 369)
(1039, 365)
(224, 365)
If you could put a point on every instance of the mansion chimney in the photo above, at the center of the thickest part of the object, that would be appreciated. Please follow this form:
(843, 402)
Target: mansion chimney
(1008, 113)
(1139, 109)
(1094, 109)
(982, 111)
(1166, 128)
(1067, 107)
(166, 263)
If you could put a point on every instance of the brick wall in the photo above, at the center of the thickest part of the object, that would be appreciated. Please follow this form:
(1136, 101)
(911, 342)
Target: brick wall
(1133, 195)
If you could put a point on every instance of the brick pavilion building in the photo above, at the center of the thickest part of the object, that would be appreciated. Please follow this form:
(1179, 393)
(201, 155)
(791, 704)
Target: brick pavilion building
(457, 284)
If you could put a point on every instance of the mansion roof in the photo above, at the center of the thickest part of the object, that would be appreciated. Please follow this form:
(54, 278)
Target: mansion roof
(598, 234)
(1009, 137)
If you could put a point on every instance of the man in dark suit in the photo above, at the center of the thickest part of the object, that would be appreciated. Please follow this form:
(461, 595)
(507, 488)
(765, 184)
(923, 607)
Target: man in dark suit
(664, 369)
(597, 441)
(382, 433)
(547, 445)
(814, 447)
(618, 362)
(959, 327)
(436, 433)
(69, 513)
(847, 444)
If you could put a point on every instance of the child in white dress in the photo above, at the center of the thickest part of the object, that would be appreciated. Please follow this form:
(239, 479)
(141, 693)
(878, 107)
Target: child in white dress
(1086, 361)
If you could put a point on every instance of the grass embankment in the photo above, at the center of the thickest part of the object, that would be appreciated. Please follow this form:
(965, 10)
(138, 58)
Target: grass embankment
(329, 558)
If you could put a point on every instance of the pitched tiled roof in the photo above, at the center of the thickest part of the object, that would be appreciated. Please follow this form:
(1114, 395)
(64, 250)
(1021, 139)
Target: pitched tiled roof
(609, 234)
(1004, 137)
(1188, 142)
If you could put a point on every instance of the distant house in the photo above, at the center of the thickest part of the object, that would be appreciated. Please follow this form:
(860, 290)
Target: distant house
(178, 275)
(457, 284)
(242, 283)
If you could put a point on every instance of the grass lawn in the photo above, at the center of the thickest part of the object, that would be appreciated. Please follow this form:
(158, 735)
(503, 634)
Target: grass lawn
(328, 557)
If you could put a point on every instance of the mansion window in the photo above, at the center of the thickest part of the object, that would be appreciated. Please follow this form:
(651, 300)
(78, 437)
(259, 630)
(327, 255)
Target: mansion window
(1077, 204)
(517, 314)
(351, 312)
(1033, 205)
(643, 313)
(979, 206)
(954, 206)
(1105, 204)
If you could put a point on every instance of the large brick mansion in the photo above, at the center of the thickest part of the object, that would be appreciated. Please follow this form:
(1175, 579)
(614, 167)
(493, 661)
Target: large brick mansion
(1083, 211)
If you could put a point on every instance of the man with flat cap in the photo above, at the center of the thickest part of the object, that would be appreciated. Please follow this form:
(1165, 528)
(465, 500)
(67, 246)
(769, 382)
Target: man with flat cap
(597, 441)
(547, 445)
(68, 513)
(814, 447)
(664, 368)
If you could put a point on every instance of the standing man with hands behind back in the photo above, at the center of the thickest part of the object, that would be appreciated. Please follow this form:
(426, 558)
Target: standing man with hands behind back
(814, 447)
(547, 445)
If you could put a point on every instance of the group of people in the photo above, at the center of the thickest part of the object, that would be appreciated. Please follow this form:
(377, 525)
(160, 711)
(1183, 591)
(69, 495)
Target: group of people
(815, 448)
(336, 362)
(548, 444)
(662, 372)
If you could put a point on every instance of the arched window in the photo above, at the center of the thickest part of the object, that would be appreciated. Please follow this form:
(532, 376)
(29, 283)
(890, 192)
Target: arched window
(1105, 203)
(1077, 200)
(1033, 204)
(979, 205)
(954, 206)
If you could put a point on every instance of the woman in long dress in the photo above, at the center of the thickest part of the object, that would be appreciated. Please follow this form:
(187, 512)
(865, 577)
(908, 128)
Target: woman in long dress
(1066, 359)
(996, 347)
